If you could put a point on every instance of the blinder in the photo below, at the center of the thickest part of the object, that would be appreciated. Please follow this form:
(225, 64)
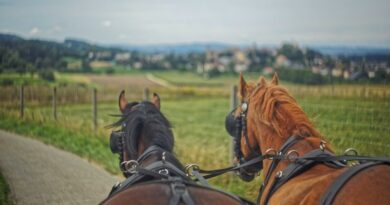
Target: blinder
(116, 141)
(237, 127)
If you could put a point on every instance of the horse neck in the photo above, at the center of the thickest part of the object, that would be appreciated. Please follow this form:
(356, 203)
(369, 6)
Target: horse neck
(151, 154)
(154, 154)
(289, 121)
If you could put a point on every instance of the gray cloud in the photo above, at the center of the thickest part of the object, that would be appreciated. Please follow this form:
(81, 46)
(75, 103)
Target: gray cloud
(247, 21)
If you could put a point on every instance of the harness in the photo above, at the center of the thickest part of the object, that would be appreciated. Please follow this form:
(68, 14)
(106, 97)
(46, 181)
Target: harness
(167, 170)
(300, 164)
(312, 158)
(236, 126)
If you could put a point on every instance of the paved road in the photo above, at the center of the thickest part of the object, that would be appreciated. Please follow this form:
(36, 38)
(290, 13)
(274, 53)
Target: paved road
(41, 174)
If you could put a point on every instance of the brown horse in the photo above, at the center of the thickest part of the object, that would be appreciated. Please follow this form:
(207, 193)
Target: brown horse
(274, 124)
(153, 174)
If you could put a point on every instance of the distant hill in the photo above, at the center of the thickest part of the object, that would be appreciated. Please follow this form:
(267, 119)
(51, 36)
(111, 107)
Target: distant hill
(351, 50)
(23, 55)
(182, 48)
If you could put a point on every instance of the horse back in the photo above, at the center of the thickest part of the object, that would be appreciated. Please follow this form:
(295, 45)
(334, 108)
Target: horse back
(161, 193)
(371, 186)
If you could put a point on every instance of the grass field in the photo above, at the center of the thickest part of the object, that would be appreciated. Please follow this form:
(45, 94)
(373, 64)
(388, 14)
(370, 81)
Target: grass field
(4, 191)
(200, 136)
(198, 121)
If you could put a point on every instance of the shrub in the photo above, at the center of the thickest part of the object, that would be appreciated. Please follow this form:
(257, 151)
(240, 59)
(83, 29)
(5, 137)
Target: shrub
(47, 75)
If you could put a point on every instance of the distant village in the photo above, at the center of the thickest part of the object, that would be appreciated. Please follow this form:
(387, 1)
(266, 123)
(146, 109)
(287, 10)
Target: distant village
(292, 62)
(251, 59)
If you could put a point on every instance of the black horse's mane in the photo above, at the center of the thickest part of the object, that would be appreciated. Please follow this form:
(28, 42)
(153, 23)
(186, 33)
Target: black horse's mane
(144, 118)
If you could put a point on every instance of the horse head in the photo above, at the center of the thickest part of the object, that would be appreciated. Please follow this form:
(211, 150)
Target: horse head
(268, 115)
(142, 126)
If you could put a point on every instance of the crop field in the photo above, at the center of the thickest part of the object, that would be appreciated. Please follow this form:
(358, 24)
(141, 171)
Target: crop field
(197, 114)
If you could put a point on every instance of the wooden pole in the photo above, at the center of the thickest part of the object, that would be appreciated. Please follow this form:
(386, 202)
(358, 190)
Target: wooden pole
(233, 105)
(94, 109)
(233, 97)
(146, 94)
(55, 103)
(21, 101)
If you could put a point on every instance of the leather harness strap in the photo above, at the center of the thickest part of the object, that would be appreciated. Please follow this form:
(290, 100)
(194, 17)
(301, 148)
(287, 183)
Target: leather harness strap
(297, 167)
(180, 193)
(290, 142)
(174, 177)
(341, 180)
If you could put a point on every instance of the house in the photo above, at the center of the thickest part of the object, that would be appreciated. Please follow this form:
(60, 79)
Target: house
(358, 75)
(282, 61)
(137, 65)
(103, 55)
(122, 57)
(324, 71)
(316, 69)
(337, 72)
(371, 74)
(346, 74)
(268, 70)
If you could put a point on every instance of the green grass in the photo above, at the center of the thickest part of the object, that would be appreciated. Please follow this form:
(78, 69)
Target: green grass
(15, 79)
(199, 131)
(4, 191)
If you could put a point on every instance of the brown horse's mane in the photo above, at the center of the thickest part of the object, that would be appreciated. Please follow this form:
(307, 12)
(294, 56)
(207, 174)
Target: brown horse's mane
(279, 111)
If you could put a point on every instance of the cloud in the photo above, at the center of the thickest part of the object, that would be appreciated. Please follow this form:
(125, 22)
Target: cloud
(106, 23)
(57, 28)
(34, 31)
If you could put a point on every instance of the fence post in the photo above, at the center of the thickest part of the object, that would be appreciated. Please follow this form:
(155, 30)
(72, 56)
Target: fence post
(55, 103)
(94, 109)
(146, 94)
(21, 101)
(233, 104)
(233, 97)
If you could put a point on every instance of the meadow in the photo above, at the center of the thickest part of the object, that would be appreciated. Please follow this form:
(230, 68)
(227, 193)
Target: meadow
(348, 116)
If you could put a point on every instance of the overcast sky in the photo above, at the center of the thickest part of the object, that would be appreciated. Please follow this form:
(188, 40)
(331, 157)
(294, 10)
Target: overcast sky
(352, 22)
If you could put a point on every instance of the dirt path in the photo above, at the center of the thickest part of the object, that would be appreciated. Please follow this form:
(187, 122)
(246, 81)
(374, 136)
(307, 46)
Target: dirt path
(41, 174)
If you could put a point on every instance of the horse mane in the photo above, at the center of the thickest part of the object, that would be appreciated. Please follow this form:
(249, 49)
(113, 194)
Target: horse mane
(144, 118)
(280, 112)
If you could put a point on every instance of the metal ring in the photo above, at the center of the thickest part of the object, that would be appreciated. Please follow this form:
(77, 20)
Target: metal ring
(322, 145)
(351, 150)
(189, 168)
(279, 174)
(292, 155)
(163, 158)
(271, 153)
(129, 166)
(244, 107)
(163, 171)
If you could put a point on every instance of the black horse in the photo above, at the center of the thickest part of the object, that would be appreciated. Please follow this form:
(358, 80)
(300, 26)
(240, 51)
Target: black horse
(153, 174)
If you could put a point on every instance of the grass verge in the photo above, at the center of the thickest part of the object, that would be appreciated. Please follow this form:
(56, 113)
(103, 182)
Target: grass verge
(4, 192)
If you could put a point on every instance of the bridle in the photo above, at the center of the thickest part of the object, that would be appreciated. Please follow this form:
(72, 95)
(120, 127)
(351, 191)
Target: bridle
(166, 169)
(118, 143)
(237, 127)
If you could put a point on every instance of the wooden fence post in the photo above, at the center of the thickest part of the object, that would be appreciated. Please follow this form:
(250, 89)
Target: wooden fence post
(55, 103)
(21, 101)
(146, 94)
(233, 104)
(233, 97)
(94, 109)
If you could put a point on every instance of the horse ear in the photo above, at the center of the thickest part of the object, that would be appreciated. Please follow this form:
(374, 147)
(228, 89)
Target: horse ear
(122, 101)
(156, 100)
(275, 79)
(262, 81)
(242, 86)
